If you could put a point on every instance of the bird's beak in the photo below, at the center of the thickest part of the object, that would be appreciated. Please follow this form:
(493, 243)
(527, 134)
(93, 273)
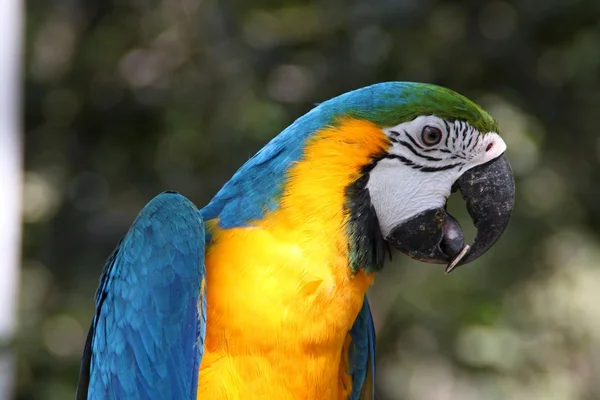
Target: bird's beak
(435, 236)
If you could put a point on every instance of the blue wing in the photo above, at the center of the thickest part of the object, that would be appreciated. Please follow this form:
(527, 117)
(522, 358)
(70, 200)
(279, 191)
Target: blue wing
(147, 337)
(362, 355)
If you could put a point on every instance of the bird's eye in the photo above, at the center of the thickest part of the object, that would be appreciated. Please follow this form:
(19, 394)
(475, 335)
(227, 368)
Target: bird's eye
(430, 136)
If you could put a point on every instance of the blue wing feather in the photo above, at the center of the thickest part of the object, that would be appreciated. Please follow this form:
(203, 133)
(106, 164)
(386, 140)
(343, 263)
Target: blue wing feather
(362, 355)
(147, 337)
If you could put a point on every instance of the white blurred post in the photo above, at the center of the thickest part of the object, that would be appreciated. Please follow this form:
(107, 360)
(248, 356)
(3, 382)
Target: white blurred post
(11, 25)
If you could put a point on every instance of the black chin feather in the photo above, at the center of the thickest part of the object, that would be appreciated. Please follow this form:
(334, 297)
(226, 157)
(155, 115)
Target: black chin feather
(367, 247)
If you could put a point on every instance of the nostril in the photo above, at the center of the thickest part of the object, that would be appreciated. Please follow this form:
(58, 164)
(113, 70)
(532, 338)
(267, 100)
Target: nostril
(489, 147)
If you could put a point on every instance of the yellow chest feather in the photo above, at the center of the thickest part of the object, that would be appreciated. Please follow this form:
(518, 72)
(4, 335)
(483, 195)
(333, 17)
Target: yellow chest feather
(278, 316)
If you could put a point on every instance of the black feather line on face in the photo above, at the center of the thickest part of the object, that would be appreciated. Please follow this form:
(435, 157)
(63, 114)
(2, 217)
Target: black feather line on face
(470, 139)
(414, 165)
(443, 168)
(416, 153)
(447, 130)
(465, 128)
(395, 134)
(413, 141)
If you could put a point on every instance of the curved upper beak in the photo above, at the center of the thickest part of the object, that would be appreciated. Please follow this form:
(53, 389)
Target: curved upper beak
(435, 236)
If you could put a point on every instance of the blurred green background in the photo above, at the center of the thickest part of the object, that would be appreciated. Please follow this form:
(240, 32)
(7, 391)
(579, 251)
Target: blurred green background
(127, 98)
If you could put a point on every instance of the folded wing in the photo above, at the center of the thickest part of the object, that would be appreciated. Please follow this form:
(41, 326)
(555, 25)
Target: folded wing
(147, 337)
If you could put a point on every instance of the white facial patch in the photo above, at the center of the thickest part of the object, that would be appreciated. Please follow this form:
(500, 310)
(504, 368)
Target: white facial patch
(399, 192)
(419, 170)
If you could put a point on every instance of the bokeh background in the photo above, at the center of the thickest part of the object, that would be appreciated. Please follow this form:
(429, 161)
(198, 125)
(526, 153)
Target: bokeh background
(127, 98)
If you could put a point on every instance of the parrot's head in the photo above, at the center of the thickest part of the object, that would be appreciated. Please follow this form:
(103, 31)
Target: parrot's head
(439, 142)
(392, 153)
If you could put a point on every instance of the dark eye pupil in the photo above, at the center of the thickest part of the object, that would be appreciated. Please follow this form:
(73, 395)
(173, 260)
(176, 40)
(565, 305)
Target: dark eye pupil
(431, 135)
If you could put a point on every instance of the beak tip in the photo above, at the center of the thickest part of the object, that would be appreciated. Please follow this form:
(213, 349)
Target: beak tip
(455, 262)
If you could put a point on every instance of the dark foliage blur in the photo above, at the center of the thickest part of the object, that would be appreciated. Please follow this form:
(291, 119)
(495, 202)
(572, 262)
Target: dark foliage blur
(127, 98)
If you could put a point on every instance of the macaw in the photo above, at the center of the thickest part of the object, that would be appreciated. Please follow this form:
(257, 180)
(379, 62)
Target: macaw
(261, 294)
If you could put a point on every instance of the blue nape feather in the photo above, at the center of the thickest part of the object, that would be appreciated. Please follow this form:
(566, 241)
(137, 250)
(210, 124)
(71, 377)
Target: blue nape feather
(147, 337)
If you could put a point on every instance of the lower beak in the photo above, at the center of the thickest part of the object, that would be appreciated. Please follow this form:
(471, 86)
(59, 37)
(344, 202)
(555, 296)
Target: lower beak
(435, 236)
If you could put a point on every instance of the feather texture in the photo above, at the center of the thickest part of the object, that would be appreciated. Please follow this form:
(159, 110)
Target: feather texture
(361, 358)
(147, 337)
